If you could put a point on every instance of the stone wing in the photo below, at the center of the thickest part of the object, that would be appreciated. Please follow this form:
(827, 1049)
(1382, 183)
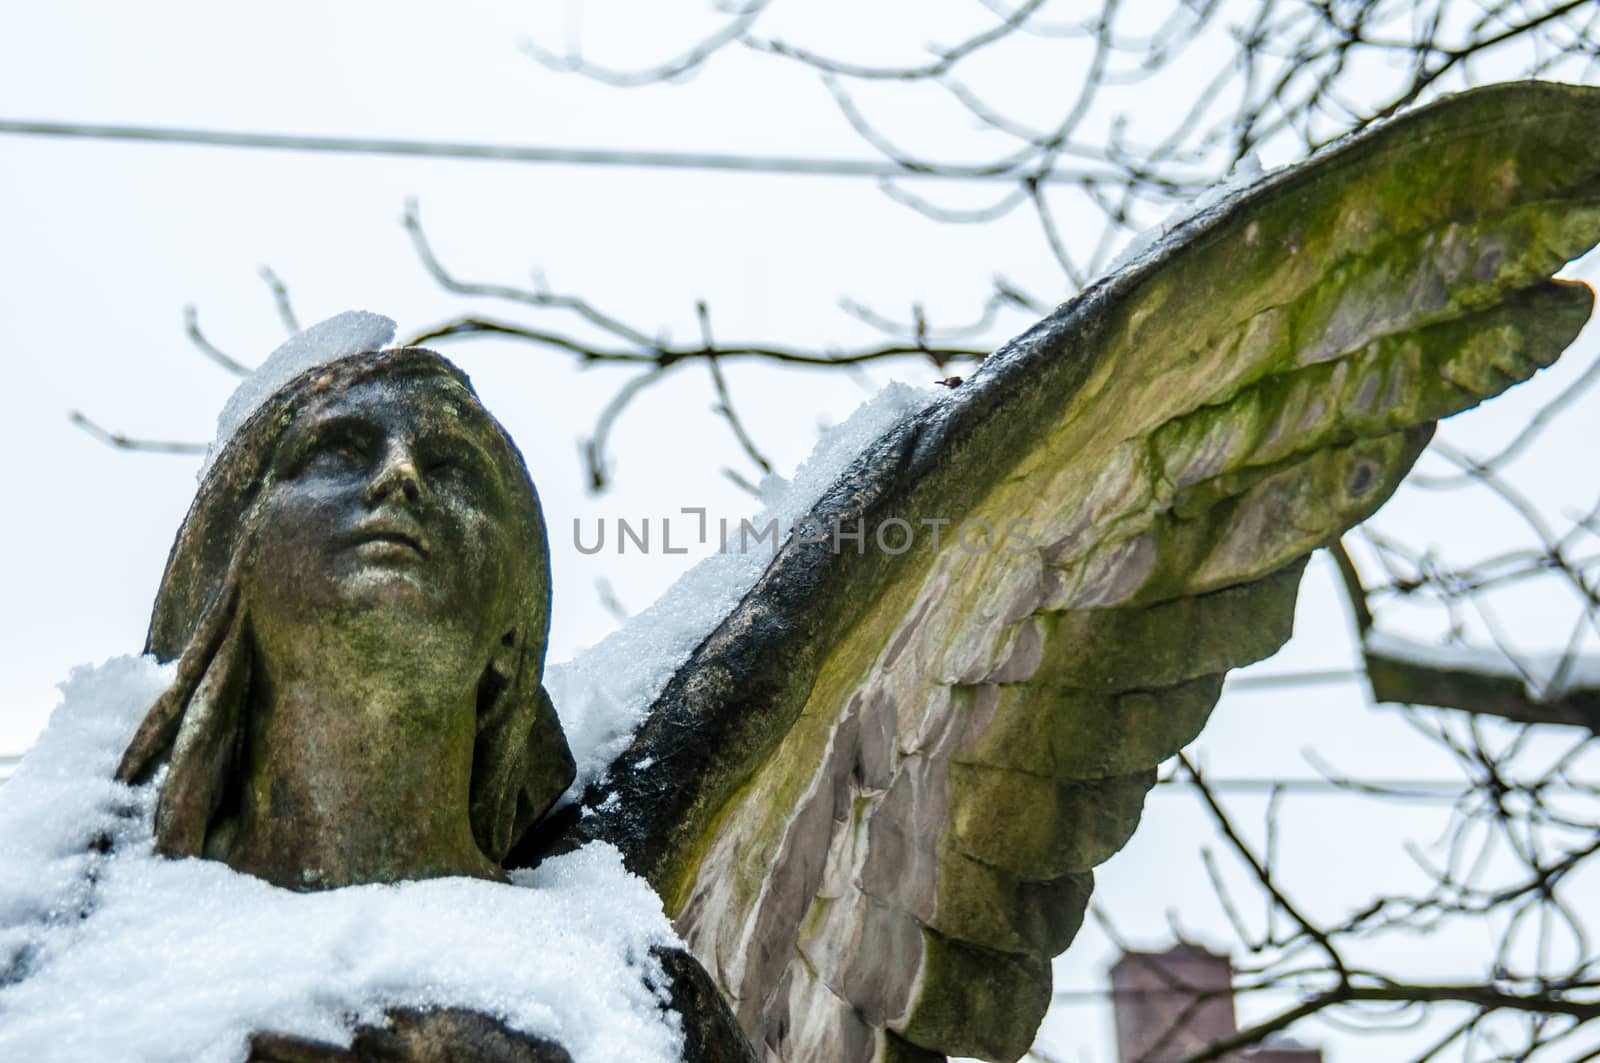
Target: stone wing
(873, 797)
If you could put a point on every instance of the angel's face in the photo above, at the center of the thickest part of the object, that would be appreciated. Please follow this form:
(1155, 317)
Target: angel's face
(390, 510)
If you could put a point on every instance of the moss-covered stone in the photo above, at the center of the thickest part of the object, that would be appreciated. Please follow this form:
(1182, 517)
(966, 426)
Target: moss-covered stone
(1038, 828)
(1171, 642)
(1278, 518)
(898, 1050)
(1073, 735)
(959, 982)
(993, 908)
(1171, 438)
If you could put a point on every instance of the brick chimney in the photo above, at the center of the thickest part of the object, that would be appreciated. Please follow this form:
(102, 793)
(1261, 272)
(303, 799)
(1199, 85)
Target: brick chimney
(1171, 1004)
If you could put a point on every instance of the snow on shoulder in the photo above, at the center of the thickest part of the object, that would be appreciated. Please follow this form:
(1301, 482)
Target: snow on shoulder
(602, 694)
(108, 951)
(351, 332)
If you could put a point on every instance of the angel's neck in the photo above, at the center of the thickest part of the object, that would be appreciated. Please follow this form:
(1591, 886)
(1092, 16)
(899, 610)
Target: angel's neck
(355, 777)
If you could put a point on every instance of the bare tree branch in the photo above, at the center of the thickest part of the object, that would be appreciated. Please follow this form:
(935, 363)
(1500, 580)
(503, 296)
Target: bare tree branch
(123, 442)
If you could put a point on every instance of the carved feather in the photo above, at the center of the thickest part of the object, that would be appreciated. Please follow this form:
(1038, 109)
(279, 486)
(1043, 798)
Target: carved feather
(878, 788)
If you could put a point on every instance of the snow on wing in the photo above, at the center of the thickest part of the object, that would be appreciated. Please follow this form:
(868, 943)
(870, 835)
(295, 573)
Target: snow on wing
(874, 795)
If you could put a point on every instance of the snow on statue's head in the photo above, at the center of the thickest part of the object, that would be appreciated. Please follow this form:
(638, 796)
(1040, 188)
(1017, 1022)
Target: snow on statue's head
(359, 602)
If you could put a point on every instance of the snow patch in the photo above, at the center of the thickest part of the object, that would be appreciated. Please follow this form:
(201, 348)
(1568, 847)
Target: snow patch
(602, 694)
(110, 952)
(351, 332)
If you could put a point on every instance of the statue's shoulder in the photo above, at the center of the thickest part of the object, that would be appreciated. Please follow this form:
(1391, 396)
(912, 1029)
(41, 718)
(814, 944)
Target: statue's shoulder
(446, 1035)
(456, 1035)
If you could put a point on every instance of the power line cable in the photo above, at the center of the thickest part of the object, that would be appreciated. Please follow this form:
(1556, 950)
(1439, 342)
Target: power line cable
(797, 166)
(1274, 680)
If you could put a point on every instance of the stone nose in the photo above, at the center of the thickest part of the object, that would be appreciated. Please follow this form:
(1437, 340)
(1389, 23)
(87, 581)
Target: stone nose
(397, 475)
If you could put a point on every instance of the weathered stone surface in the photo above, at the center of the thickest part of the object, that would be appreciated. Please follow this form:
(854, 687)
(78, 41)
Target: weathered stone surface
(993, 908)
(1170, 440)
(1073, 735)
(897, 1050)
(711, 1034)
(1164, 645)
(1011, 992)
(444, 1036)
(1038, 828)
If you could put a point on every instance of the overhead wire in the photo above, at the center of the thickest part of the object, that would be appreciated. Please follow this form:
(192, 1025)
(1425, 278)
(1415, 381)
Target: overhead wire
(784, 165)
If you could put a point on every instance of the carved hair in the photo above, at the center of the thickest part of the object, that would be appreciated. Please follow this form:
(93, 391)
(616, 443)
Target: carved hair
(520, 762)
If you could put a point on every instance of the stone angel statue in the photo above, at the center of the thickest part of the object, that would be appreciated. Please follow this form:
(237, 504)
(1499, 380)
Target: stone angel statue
(872, 798)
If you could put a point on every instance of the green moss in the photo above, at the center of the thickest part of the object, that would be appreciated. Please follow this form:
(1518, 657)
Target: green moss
(1256, 393)
(898, 1050)
(990, 907)
(1040, 829)
(1113, 650)
(1074, 735)
(960, 983)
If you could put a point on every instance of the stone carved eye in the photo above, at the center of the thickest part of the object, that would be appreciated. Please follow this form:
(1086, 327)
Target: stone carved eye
(343, 448)
(335, 448)
(454, 463)
(447, 466)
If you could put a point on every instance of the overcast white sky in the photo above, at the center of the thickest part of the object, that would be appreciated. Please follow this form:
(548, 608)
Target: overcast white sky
(103, 245)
